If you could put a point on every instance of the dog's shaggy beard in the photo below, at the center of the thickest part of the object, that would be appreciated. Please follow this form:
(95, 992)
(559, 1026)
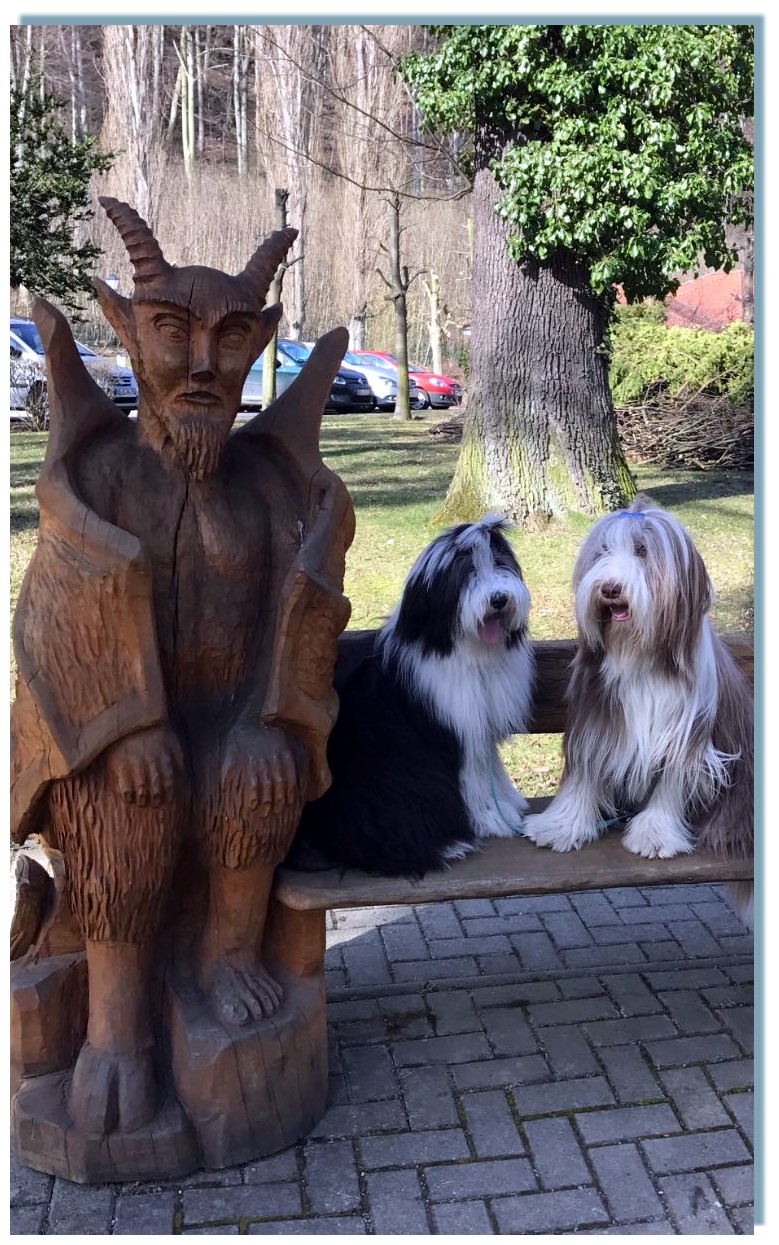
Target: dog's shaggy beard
(658, 721)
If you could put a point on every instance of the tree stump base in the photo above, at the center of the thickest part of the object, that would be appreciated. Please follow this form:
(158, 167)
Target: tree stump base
(230, 1094)
(250, 1090)
(46, 1139)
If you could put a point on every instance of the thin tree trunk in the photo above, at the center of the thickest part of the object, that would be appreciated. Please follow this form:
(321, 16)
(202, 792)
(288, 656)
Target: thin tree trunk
(241, 58)
(433, 290)
(274, 296)
(357, 329)
(399, 285)
(202, 79)
(540, 438)
(174, 105)
(187, 61)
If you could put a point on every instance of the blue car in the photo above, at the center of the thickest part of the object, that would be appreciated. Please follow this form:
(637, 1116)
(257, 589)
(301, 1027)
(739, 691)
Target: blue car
(286, 372)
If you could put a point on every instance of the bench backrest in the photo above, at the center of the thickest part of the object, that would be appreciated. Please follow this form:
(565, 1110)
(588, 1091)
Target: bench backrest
(553, 660)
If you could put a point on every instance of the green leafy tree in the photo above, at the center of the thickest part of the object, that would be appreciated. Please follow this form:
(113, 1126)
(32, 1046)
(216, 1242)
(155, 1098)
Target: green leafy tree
(49, 196)
(600, 155)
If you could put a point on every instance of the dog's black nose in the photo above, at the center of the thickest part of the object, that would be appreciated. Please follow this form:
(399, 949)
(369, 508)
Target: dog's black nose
(498, 600)
(611, 591)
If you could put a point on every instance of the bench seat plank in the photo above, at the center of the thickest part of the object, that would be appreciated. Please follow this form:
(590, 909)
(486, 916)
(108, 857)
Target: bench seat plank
(506, 867)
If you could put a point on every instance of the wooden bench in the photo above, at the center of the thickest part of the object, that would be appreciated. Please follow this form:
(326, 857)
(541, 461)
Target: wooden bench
(503, 866)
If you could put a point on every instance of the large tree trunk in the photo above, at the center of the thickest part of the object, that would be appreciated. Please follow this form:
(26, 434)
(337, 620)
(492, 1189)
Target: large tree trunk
(540, 438)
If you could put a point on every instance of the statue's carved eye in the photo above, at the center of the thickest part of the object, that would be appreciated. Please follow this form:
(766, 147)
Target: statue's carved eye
(172, 330)
(234, 336)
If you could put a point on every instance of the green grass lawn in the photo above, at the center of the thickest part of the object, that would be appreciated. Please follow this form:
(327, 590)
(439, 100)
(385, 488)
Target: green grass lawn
(397, 476)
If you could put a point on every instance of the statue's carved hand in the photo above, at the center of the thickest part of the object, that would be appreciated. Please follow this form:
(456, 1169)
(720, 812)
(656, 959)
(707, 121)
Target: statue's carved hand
(144, 767)
(259, 768)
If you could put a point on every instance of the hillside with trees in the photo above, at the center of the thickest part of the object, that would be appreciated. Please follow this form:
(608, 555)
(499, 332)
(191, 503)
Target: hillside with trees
(486, 187)
(205, 122)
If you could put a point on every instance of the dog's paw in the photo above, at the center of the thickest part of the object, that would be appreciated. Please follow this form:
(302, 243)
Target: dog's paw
(506, 823)
(560, 834)
(520, 803)
(656, 836)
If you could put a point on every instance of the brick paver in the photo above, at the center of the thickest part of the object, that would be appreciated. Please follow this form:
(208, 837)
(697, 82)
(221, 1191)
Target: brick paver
(555, 1064)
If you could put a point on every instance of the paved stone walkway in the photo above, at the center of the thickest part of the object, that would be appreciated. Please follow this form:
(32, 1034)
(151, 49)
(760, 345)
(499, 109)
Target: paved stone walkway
(562, 1064)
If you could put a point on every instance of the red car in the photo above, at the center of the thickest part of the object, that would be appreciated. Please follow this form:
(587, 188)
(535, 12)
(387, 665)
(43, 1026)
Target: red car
(435, 390)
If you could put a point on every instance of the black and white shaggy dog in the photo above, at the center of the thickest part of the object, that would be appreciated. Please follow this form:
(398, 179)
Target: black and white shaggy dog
(659, 732)
(417, 779)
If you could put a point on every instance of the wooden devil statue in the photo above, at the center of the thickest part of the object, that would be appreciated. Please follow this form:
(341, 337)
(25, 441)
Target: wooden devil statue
(175, 639)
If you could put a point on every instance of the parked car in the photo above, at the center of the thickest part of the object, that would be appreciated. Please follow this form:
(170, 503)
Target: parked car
(382, 380)
(435, 390)
(286, 372)
(28, 374)
(350, 390)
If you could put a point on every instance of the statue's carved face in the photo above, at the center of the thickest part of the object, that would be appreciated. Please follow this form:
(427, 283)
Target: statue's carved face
(194, 364)
(191, 362)
(192, 334)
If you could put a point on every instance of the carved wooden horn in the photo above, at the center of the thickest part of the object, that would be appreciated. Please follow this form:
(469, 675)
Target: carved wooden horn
(147, 259)
(261, 268)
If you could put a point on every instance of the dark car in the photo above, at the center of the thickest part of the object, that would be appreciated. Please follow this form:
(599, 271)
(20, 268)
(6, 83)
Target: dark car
(28, 373)
(350, 390)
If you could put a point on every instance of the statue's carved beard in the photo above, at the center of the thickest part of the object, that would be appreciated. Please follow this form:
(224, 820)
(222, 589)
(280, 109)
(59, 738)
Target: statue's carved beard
(194, 443)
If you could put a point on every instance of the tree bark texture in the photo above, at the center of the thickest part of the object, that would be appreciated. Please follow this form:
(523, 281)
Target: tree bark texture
(540, 438)
(399, 283)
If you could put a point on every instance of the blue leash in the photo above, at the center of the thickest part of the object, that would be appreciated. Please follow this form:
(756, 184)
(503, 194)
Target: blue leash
(520, 829)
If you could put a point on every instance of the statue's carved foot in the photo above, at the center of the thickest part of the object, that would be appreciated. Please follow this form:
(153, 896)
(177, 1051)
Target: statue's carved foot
(241, 995)
(112, 1093)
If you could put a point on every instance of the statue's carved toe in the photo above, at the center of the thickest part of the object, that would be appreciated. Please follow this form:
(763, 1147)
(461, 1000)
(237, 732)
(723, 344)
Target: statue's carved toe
(112, 1093)
(239, 996)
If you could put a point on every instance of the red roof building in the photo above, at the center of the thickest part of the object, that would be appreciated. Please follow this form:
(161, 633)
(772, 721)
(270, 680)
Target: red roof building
(708, 302)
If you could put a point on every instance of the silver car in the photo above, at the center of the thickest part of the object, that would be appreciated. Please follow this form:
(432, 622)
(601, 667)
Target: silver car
(28, 374)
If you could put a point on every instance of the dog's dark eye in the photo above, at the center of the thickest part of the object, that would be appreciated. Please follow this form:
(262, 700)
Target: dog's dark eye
(640, 550)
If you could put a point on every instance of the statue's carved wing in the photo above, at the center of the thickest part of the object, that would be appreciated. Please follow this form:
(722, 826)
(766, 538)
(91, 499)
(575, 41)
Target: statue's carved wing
(84, 633)
(312, 609)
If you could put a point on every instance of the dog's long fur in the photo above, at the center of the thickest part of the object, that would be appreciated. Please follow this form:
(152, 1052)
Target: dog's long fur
(417, 778)
(659, 729)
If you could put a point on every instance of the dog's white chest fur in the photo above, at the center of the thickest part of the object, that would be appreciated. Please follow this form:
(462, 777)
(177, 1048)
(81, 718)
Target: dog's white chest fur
(655, 713)
(483, 694)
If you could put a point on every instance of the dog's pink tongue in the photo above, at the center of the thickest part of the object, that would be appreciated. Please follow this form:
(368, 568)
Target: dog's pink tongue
(490, 631)
(619, 613)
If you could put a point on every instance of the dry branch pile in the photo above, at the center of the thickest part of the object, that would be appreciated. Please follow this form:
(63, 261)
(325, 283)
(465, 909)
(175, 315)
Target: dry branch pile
(690, 429)
(449, 430)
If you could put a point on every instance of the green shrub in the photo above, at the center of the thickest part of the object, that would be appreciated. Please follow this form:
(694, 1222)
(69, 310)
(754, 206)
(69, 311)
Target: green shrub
(647, 357)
